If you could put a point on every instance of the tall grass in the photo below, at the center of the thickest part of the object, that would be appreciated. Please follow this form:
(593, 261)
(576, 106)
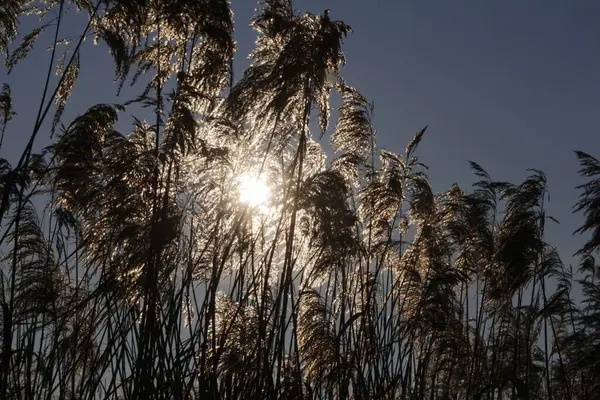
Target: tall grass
(149, 277)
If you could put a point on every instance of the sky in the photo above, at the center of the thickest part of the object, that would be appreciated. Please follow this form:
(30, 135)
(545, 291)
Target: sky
(509, 84)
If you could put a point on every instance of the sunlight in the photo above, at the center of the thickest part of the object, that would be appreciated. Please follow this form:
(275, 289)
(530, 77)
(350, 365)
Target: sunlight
(253, 190)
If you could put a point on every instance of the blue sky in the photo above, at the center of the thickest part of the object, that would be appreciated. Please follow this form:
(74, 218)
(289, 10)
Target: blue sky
(510, 84)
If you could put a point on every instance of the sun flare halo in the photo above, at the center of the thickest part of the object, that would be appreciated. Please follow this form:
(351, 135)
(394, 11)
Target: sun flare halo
(253, 190)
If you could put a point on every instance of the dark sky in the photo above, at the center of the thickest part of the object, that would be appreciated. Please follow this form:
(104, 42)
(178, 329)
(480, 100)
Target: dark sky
(510, 84)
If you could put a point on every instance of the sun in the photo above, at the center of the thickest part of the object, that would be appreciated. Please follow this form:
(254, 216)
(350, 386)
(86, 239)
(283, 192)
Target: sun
(253, 190)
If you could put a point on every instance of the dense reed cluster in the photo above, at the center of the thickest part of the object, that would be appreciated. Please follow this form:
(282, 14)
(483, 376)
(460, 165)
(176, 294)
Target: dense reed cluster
(131, 267)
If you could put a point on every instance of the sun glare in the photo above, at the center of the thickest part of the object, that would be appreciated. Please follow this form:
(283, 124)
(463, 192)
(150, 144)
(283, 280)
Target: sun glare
(254, 190)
